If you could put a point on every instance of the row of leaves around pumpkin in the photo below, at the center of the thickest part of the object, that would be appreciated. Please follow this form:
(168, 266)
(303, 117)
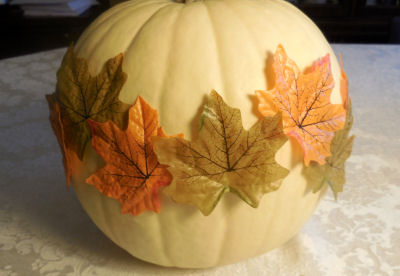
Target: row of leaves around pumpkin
(140, 158)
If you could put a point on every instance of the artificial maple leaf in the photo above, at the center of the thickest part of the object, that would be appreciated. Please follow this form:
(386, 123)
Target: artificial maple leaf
(224, 157)
(332, 172)
(70, 160)
(132, 173)
(304, 99)
(82, 97)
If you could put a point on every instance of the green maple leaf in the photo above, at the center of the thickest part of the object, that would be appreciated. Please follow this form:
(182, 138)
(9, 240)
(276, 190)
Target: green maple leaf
(333, 173)
(224, 157)
(82, 96)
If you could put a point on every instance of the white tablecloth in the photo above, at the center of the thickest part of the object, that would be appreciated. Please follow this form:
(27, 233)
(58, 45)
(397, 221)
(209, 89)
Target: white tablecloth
(44, 230)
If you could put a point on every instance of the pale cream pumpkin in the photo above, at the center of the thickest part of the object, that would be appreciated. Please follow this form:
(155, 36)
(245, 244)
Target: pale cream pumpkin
(175, 54)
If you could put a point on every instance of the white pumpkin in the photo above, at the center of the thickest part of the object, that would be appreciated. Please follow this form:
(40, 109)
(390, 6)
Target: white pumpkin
(174, 55)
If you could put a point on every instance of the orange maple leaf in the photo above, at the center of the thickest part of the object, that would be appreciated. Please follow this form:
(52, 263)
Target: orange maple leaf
(304, 99)
(132, 173)
(70, 160)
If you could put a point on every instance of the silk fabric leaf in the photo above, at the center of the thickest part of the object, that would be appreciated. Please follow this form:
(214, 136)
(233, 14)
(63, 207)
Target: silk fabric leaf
(224, 157)
(333, 171)
(304, 99)
(132, 173)
(82, 96)
(70, 160)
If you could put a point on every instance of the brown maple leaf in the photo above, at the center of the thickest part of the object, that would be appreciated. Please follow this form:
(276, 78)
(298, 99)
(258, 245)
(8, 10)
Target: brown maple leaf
(132, 173)
(82, 96)
(304, 99)
(224, 157)
(70, 160)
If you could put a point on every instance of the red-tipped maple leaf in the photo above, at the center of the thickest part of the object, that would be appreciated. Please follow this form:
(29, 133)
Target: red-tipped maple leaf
(304, 99)
(132, 173)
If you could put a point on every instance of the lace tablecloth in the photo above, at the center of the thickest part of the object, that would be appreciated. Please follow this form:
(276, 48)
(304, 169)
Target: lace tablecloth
(44, 230)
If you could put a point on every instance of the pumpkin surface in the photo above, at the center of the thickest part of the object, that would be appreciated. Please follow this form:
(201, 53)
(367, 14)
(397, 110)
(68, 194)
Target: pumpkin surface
(174, 55)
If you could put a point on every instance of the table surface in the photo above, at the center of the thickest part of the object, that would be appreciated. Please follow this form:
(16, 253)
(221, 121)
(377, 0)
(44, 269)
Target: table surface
(45, 231)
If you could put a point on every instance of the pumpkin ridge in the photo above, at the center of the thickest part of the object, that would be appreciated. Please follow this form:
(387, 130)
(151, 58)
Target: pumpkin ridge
(121, 18)
(93, 49)
(164, 242)
(168, 63)
(268, 226)
(256, 45)
(228, 81)
(146, 22)
(248, 29)
(225, 243)
(218, 53)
